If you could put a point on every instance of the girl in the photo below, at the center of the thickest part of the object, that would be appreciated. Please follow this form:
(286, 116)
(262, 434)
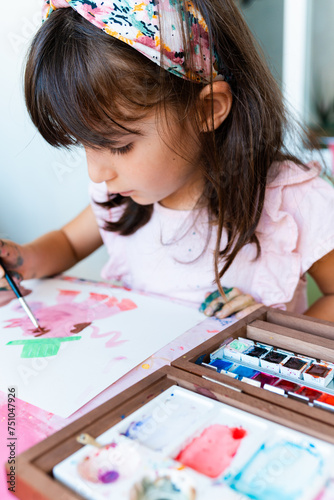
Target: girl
(192, 187)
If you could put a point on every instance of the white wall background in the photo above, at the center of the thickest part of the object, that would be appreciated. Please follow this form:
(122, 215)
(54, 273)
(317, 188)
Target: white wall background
(41, 187)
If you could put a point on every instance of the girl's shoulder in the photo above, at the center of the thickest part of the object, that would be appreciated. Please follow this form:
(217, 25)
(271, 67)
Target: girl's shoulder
(298, 214)
(289, 173)
(298, 190)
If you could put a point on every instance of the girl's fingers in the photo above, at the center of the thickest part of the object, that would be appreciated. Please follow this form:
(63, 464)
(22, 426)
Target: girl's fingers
(3, 248)
(4, 284)
(215, 303)
(11, 254)
(214, 306)
(209, 297)
(248, 310)
(237, 304)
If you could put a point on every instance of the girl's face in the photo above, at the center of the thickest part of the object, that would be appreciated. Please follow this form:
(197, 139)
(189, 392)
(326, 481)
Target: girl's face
(146, 167)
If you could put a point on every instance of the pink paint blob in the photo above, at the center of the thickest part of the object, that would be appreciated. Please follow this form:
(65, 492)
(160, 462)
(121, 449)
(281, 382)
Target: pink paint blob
(70, 316)
(213, 451)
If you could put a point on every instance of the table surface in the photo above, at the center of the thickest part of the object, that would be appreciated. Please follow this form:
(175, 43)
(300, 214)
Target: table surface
(34, 424)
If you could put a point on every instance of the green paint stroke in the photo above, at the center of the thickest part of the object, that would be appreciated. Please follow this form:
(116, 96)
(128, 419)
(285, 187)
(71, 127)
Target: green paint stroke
(40, 348)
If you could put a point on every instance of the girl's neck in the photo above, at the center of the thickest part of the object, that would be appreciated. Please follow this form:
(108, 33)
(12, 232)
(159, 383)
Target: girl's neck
(185, 198)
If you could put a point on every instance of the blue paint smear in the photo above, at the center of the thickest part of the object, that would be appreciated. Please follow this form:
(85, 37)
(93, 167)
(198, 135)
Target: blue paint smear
(221, 364)
(135, 428)
(267, 475)
(243, 371)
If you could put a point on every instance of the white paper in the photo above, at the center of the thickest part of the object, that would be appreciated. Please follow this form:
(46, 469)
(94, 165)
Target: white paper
(119, 330)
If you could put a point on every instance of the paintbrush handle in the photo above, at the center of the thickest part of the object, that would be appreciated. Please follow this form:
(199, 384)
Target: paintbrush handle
(10, 281)
(18, 294)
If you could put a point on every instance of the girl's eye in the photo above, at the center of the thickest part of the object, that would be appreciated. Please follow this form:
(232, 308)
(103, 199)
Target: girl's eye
(123, 150)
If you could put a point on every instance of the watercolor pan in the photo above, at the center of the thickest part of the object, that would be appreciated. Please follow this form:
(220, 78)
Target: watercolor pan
(325, 401)
(273, 360)
(220, 365)
(307, 394)
(236, 347)
(266, 379)
(294, 366)
(253, 355)
(285, 387)
(243, 371)
(319, 374)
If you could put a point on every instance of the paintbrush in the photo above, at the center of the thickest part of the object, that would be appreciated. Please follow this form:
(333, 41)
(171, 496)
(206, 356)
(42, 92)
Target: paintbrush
(18, 294)
(85, 438)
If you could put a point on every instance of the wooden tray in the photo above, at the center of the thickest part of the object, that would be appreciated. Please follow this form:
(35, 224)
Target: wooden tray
(34, 467)
(292, 332)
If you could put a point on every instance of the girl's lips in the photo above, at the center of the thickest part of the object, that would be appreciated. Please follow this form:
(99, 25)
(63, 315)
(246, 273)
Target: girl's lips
(126, 193)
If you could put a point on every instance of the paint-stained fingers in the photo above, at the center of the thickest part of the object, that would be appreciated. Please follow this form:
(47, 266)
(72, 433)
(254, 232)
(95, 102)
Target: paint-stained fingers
(17, 277)
(215, 305)
(4, 284)
(209, 297)
(235, 305)
(11, 253)
(248, 310)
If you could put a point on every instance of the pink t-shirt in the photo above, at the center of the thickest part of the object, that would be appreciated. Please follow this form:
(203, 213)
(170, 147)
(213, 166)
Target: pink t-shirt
(173, 254)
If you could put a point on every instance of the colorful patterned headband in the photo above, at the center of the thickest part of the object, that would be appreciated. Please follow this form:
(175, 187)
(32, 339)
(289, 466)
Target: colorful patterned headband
(139, 22)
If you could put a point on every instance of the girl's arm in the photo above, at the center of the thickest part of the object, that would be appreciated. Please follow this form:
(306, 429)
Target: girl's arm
(322, 272)
(53, 252)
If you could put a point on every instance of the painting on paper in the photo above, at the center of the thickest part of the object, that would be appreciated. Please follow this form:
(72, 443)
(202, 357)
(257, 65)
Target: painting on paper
(89, 337)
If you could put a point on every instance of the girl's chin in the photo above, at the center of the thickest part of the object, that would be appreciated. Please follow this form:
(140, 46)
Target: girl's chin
(142, 200)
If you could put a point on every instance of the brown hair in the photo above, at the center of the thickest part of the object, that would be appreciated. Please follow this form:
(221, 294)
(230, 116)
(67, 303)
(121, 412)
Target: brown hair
(79, 81)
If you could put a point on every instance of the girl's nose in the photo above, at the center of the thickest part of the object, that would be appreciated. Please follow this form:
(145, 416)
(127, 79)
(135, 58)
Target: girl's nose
(101, 174)
(99, 169)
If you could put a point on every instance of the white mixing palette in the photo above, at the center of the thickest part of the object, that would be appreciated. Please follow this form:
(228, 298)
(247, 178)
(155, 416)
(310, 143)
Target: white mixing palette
(292, 463)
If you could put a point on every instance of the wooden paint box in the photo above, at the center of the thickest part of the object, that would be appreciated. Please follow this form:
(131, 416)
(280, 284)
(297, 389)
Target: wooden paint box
(288, 332)
(34, 479)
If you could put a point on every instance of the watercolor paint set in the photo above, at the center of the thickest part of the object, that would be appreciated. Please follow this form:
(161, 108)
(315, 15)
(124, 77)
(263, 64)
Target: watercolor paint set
(276, 370)
(174, 436)
(271, 354)
(195, 430)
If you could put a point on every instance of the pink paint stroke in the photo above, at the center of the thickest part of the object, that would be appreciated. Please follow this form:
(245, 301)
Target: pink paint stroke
(69, 316)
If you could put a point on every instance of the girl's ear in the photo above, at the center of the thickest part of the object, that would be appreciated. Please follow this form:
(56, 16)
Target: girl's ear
(216, 101)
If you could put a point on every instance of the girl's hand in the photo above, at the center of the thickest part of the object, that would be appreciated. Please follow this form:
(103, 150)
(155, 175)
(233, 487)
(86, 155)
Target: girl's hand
(237, 302)
(13, 257)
